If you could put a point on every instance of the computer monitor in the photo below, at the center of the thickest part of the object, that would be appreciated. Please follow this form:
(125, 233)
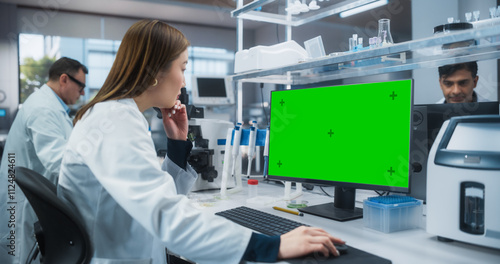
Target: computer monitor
(348, 136)
(212, 90)
(427, 121)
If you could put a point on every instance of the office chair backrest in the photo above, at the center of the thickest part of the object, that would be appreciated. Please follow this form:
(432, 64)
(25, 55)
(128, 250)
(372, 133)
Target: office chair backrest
(64, 238)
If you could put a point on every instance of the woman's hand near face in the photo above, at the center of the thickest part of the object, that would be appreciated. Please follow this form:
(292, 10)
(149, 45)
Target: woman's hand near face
(175, 121)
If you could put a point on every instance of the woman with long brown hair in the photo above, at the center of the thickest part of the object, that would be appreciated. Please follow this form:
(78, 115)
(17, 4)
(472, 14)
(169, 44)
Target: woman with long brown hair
(132, 206)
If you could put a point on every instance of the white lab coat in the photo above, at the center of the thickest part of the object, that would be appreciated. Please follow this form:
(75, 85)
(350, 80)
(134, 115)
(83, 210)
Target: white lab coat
(37, 139)
(132, 206)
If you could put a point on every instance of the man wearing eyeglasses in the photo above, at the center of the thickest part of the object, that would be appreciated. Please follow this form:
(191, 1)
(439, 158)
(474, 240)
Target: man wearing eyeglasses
(36, 141)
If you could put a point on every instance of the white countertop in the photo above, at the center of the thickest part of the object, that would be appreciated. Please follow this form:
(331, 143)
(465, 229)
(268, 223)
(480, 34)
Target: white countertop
(403, 247)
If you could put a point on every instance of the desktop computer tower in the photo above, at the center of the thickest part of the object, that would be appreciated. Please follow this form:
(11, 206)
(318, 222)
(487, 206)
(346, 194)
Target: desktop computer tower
(427, 121)
(419, 151)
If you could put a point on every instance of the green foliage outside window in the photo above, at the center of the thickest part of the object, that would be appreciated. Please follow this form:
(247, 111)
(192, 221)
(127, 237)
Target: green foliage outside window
(34, 73)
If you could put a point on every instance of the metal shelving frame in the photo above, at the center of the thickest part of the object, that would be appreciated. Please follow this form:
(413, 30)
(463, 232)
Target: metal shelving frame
(329, 8)
(422, 53)
(410, 55)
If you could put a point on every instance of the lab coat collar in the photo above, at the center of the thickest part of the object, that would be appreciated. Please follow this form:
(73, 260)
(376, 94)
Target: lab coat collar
(64, 105)
(54, 99)
(129, 101)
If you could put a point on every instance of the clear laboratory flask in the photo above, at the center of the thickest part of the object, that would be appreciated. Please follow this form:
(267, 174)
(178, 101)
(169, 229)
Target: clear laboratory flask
(384, 32)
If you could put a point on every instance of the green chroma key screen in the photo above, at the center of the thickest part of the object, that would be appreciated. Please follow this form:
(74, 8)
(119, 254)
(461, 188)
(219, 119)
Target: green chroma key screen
(356, 135)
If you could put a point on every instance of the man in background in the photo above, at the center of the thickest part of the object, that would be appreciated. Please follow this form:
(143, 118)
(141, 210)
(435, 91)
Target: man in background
(458, 81)
(36, 141)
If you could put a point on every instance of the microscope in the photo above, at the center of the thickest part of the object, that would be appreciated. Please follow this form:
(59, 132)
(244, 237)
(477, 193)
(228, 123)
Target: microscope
(208, 137)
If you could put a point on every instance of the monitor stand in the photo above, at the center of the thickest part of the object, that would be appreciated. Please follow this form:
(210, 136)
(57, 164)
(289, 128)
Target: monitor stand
(342, 208)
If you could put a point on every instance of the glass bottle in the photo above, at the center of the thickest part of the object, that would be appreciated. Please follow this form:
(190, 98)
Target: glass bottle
(384, 32)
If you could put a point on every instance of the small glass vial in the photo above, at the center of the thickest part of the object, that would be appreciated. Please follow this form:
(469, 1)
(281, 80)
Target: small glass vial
(252, 188)
(468, 17)
(360, 44)
(372, 42)
(351, 44)
(493, 12)
(475, 15)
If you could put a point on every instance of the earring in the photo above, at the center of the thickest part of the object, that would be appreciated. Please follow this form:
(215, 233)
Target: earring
(156, 82)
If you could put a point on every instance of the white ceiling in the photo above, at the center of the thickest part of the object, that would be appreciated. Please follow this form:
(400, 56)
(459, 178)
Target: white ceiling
(215, 13)
(206, 12)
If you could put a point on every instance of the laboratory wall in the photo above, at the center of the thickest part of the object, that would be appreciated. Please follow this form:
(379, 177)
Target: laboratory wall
(9, 84)
(70, 24)
(335, 32)
(487, 70)
(409, 20)
(46, 21)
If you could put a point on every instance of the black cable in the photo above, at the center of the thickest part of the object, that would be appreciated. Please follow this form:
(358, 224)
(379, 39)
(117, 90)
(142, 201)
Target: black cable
(277, 33)
(379, 193)
(384, 193)
(33, 253)
(263, 107)
(327, 194)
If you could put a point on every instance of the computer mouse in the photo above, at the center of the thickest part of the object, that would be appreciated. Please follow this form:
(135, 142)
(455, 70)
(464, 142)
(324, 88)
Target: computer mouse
(342, 248)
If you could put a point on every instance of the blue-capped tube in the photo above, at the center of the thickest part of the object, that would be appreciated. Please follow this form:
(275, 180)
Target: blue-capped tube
(266, 153)
(236, 146)
(251, 146)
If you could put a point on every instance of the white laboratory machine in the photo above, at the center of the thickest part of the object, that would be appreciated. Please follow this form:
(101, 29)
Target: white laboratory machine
(266, 57)
(463, 181)
(207, 155)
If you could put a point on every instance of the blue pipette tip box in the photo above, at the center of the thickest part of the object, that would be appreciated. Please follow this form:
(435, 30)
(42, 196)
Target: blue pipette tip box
(392, 213)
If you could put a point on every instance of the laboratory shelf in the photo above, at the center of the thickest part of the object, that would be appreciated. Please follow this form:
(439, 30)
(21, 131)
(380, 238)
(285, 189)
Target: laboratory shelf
(269, 11)
(410, 55)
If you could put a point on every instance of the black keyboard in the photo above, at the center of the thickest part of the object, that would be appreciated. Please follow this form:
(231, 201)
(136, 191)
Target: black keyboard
(259, 221)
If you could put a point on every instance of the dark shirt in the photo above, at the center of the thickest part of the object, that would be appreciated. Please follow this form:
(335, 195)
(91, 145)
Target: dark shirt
(178, 151)
(262, 248)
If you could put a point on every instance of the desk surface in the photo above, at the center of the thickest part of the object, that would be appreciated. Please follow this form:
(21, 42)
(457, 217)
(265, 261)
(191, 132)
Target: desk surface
(409, 246)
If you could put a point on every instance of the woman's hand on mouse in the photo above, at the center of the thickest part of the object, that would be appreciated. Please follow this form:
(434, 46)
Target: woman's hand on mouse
(305, 240)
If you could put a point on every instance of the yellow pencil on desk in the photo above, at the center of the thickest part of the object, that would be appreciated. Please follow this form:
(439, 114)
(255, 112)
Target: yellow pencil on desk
(287, 211)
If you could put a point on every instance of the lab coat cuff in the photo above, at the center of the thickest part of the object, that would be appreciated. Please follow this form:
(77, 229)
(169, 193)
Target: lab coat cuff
(262, 248)
(178, 151)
